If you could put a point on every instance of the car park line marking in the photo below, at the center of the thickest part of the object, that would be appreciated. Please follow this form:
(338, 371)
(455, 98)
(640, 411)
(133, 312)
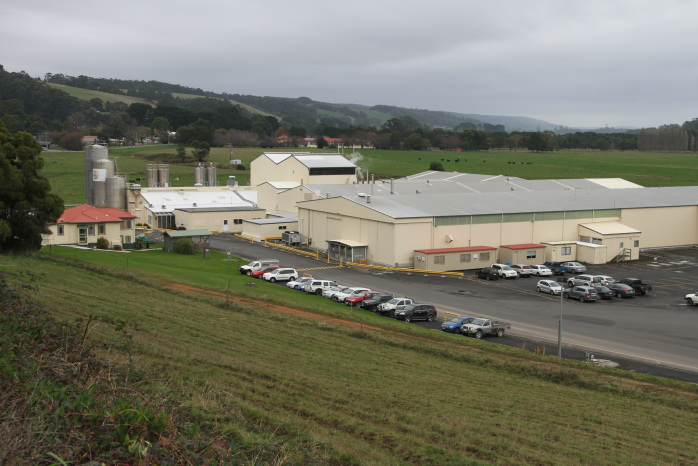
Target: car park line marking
(610, 352)
(320, 268)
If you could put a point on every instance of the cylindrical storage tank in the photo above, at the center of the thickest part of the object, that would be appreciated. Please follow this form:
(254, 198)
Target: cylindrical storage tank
(164, 175)
(99, 192)
(116, 191)
(211, 175)
(199, 175)
(148, 176)
(98, 152)
(161, 176)
(104, 164)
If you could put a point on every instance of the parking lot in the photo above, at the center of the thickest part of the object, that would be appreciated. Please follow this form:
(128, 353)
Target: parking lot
(654, 333)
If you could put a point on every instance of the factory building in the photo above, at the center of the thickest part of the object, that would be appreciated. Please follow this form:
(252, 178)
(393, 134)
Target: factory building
(594, 223)
(302, 167)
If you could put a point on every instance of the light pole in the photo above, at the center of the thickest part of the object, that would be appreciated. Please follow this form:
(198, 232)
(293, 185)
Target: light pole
(230, 162)
(559, 324)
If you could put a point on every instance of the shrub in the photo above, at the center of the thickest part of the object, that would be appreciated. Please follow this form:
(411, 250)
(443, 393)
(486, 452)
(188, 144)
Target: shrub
(184, 246)
(436, 166)
(117, 247)
(72, 141)
(240, 167)
(102, 243)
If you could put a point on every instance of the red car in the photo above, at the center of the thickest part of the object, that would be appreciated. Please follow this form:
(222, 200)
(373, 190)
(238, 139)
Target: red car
(355, 300)
(260, 272)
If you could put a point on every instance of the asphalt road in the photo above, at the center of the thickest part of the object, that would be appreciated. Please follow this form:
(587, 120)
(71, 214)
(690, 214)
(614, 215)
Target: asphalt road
(654, 333)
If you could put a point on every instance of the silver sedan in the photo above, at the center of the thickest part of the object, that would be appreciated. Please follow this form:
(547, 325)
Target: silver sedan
(549, 286)
(575, 267)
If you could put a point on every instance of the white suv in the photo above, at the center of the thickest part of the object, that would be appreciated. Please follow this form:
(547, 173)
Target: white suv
(318, 286)
(505, 271)
(332, 291)
(345, 293)
(280, 275)
(541, 270)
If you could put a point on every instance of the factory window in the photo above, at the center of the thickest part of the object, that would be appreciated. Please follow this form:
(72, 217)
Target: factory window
(282, 227)
(439, 260)
(237, 221)
(332, 171)
(567, 251)
(307, 197)
(128, 239)
(637, 243)
(465, 257)
(102, 229)
(150, 219)
(596, 241)
(530, 254)
(485, 256)
(90, 230)
(585, 239)
(622, 244)
(61, 230)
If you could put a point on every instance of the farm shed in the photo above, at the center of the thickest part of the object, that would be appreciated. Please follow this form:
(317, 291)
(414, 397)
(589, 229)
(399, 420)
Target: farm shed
(447, 259)
(198, 237)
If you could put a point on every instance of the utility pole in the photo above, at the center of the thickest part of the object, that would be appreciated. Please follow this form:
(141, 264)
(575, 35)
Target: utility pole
(559, 324)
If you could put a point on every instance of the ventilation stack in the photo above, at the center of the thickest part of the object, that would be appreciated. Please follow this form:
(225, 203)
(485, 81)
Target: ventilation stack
(211, 175)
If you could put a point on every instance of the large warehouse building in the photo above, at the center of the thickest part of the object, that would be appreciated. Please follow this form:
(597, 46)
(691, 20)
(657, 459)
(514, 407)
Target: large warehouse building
(591, 220)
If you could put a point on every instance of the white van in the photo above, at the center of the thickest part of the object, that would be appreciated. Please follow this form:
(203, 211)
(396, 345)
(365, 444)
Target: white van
(258, 265)
(280, 275)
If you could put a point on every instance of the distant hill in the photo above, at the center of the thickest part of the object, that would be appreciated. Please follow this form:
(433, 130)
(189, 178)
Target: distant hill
(512, 123)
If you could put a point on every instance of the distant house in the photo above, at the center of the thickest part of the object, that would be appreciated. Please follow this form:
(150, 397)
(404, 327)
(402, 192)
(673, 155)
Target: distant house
(84, 224)
(89, 140)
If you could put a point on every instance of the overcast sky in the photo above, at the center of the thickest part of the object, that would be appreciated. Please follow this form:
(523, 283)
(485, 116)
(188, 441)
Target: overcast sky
(575, 63)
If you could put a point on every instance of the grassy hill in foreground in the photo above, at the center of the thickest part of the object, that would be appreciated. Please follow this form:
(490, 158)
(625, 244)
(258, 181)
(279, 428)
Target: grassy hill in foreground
(390, 394)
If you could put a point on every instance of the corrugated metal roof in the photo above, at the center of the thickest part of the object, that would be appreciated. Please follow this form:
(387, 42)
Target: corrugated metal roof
(347, 242)
(187, 233)
(447, 250)
(282, 215)
(312, 159)
(610, 228)
(218, 209)
(444, 205)
(174, 200)
(523, 246)
(265, 221)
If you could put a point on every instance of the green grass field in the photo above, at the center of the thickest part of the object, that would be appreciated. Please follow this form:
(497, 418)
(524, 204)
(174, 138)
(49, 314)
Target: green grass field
(86, 94)
(398, 396)
(646, 169)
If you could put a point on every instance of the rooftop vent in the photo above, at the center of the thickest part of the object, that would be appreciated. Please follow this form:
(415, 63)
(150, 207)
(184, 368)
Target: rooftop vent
(362, 194)
(419, 191)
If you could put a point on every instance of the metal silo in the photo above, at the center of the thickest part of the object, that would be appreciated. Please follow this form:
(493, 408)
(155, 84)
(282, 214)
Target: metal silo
(99, 188)
(163, 175)
(149, 176)
(211, 173)
(99, 152)
(199, 175)
(116, 192)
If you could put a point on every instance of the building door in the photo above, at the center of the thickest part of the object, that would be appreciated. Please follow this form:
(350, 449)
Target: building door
(82, 235)
(225, 225)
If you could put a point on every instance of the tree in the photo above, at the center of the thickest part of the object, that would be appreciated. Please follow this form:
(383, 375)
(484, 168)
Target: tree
(201, 150)
(182, 153)
(414, 142)
(139, 112)
(321, 142)
(161, 126)
(436, 166)
(71, 141)
(537, 142)
(297, 131)
(97, 103)
(513, 142)
(394, 141)
(26, 203)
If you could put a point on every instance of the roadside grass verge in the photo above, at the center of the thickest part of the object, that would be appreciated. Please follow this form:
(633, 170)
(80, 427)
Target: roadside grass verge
(374, 399)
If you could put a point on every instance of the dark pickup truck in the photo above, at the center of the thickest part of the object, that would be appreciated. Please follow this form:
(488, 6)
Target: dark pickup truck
(556, 267)
(637, 285)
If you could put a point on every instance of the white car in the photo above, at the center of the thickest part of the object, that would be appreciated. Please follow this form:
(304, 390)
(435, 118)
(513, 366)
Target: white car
(295, 284)
(605, 280)
(344, 294)
(280, 275)
(316, 287)
(549, 286)
(332, 291)
(575, 267)
(541, 270)
(505, 271)
(522, 270)
(691, 299)
(590, 280)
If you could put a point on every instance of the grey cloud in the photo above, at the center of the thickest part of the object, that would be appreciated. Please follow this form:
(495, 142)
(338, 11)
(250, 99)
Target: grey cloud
(572, 63)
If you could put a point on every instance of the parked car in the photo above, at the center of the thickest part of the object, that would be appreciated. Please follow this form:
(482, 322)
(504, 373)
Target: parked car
(638, 285)
(582, 293)
(481, 327)
(363, 296)
(316, 287)
(505, 271)
(488, 273)
(590, 280)
(604, 292)
(295, 284)
(344, 294)
(329, 293)
(549, 286)
(621, 290)
(389, 307)
(257, 265)
(556, 267)
(575, 267)
(373, 303)
(523, 270)
(454, 325)
(280, 275)
(416, 312)
(691, 299)
(260, 273)
(541, 270)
